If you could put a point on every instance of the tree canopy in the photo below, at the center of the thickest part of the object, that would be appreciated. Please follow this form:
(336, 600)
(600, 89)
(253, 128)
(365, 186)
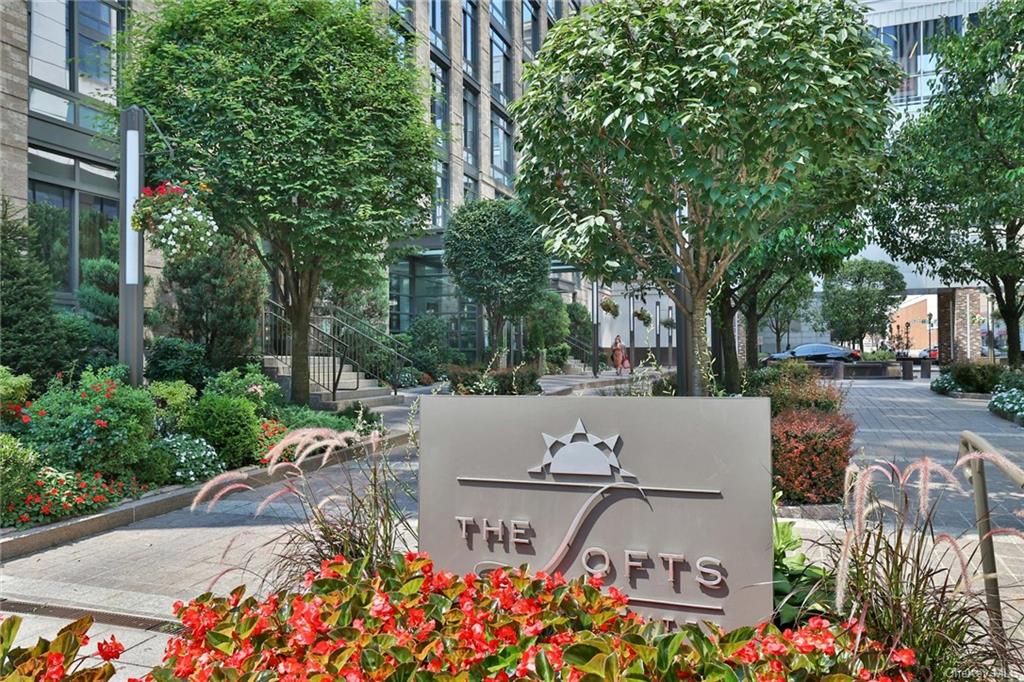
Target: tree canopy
(310, 132)
(495, 257)
(859, 298)
(953, 204)
(671, 134)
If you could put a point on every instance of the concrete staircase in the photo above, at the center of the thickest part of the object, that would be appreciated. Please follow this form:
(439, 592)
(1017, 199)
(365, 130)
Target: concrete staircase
(575, 368)
(369, 392)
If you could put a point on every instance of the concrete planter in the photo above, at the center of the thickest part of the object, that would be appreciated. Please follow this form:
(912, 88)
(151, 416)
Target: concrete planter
(816, 512)
(961, 395)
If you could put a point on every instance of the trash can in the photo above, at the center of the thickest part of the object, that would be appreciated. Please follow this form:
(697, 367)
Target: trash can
(837, 370)
(926, 368)
(908, 370)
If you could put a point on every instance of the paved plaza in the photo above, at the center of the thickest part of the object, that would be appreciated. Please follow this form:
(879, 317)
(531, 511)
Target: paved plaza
(902, 421)
(141, 569)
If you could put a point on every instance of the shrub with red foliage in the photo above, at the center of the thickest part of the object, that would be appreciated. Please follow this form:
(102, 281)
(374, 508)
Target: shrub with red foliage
(810, 452)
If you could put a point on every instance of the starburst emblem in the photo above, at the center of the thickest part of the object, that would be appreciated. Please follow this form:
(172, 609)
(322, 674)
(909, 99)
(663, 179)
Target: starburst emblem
(581, 453)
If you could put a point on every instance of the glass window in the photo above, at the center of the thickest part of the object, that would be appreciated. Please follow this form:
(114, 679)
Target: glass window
(502, 163)
(441, 194)
(97, 227)
(439, 101)
(574, 6)
(903, 42)
(501, 69)
(938, 28)
(50, 213)
(500, 13)
(531, 30)
(469, 37)
(97, 23)
(470, 127)
(49, 44)
(51, 164)
(49, 104)
(404, 8)
(470, 189)
(439, 24)
(554, 8)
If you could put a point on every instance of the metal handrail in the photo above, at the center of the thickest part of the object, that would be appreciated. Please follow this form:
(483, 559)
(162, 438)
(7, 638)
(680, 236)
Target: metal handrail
(581, 351)
(363, 326)
(973, 443)
(277, 343)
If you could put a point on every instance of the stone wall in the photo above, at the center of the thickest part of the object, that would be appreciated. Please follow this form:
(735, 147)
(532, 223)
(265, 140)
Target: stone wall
(14, 100)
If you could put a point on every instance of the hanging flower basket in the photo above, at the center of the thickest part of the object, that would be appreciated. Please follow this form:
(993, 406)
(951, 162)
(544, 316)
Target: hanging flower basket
(644, 315)
(174, 217)
(668, 322)
(610, 306)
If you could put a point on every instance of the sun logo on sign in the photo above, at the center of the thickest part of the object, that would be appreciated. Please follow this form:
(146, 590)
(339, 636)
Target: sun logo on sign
(581, 453)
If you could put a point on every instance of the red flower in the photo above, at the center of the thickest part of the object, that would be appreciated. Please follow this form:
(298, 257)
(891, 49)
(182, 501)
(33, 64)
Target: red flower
(25, 419)
(110, 651)
(102, 423)
(904, 657)
(24, 518)
(147, 191)
(54, 667)
(41, 413)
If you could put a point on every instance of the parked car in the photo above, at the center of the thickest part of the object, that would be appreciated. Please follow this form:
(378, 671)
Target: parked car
(930, 353)
(1000, 353)
(817, 352)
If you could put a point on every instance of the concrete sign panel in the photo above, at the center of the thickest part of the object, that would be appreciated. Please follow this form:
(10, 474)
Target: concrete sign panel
(669, 499)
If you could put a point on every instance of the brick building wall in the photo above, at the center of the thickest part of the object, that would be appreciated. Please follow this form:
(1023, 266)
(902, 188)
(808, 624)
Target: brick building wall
(14, 100)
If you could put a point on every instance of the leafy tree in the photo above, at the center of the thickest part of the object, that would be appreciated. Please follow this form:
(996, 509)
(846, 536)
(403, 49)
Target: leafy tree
(31, 342)
(548, 323)
(672, 134)
(860, 297)
(952, 205)
(217, 297)
(496, 258)
(309, 130)
(580, 326)
(791, 303)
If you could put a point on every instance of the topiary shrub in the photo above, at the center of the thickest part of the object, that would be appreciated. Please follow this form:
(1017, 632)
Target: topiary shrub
(250, 383)
(18, 465)
(171, 359)
(229, 424)
(95, 424)
(810, 452)
(975, 377)
(173, 400)
(156, 467)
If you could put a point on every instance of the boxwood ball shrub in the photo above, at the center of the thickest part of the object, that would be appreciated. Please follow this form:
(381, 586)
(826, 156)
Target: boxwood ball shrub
(97, 424)
(228, 423)
(18, 466)
(810, 452)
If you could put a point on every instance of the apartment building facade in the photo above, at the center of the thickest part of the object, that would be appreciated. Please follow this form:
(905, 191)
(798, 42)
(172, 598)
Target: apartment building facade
(56, 70)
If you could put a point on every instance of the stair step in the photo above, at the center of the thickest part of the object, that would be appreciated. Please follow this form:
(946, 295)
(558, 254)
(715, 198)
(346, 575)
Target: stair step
(345, 402)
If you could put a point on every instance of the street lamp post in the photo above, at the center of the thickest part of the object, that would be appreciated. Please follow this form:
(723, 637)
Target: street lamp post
(131, 291)
(595, 318)
(657, 330)
(671, 327)
(632, 332)
(929, 334)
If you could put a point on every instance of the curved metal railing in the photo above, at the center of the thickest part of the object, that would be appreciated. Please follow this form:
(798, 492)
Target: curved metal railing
(971, 442)
(582, 351)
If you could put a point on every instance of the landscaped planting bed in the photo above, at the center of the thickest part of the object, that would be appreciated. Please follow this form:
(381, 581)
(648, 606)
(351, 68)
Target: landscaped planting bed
(91, 441)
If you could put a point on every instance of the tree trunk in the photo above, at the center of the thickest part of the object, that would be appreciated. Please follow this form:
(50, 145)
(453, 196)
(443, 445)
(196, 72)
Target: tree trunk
(752, 322)
(778, 339)
(299, 313)
(1012, 321)
(861, 344)
(730, 356)
(498, 341)
(699, 341)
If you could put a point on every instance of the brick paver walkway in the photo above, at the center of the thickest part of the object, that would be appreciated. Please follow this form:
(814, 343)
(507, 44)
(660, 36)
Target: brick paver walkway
(902, 421)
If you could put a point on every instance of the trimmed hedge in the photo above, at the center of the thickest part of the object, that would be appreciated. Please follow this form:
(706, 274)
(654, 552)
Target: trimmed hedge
(230, 425)
(810, 452)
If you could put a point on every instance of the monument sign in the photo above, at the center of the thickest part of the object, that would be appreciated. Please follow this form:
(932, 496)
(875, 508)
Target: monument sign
(669, 499)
